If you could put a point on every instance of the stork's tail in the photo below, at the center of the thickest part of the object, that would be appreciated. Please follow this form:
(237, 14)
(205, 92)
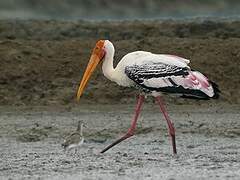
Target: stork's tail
(216, 90)
(201, 87)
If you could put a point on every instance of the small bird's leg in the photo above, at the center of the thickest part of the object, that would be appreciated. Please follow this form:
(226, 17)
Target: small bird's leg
(133, 125)
(170, 124)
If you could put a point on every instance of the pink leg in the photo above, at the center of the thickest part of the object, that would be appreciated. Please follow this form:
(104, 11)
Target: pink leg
(170, 124)
(133, 125)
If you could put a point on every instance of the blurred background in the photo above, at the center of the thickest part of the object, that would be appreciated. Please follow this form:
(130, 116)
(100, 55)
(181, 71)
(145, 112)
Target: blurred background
(113, 9)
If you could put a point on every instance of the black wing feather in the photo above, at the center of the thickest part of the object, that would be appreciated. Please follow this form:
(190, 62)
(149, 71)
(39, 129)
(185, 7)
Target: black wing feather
(138, 73)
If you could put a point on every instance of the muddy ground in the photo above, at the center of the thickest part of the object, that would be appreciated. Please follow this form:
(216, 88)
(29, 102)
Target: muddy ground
(207, 143)
(41, 66)
(42, 61)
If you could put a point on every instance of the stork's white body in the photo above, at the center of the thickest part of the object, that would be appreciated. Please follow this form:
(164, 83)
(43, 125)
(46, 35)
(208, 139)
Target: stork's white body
(149, 63)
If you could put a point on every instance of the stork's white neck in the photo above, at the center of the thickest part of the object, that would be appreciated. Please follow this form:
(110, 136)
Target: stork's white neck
(113, 74)
(107, 66)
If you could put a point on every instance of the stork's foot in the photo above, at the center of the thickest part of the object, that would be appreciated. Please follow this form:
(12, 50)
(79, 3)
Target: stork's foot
(174, 144)
(172, 135)
(129, 134)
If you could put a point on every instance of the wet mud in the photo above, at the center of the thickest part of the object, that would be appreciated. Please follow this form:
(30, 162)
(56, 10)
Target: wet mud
(42, 61)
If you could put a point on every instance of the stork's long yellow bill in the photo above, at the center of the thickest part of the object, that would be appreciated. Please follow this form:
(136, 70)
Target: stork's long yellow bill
(97, 55)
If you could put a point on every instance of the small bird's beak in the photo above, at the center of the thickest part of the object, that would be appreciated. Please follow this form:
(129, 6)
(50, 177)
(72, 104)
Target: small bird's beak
(97, 55)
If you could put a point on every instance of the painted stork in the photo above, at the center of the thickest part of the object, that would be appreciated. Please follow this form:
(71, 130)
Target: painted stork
(152, 74)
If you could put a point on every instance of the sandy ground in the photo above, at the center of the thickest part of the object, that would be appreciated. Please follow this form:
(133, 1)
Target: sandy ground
(207, 142)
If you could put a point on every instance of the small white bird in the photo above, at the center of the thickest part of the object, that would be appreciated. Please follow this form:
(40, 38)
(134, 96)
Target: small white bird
(75, 139)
